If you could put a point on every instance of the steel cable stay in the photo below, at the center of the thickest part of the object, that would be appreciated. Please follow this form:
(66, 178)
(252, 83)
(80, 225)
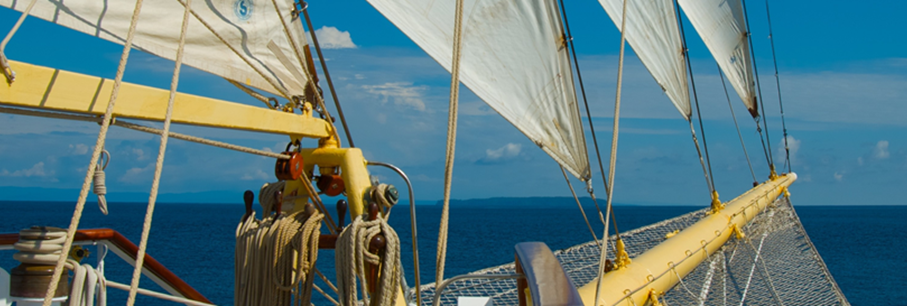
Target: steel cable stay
(737, 126)
(771, 37)
(768, 141)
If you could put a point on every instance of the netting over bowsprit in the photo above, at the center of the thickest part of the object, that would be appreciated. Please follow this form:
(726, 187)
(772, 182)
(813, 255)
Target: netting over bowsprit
(775, 264)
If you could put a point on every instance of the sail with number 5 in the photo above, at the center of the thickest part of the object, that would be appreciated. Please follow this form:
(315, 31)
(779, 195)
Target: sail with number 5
(514, 57)
(257, 43)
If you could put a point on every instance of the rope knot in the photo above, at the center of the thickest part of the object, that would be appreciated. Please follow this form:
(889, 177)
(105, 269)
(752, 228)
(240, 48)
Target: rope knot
(99, 181)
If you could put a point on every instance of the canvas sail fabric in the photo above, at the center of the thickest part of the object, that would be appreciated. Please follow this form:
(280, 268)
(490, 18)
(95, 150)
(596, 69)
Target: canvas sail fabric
(652, 31)
(251, 27)
(722, 26)
(514, 57)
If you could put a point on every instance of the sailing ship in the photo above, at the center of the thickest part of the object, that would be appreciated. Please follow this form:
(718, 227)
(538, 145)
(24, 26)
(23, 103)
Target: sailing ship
(515, 55)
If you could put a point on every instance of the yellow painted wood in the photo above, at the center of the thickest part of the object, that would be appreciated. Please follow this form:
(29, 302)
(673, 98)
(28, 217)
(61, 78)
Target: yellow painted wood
(658, 268)
(58, 90)
(352, 169)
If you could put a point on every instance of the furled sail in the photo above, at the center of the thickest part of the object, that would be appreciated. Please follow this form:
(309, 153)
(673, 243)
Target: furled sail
(514, 57)
(652, 32)
(267, 58)
(722, 26)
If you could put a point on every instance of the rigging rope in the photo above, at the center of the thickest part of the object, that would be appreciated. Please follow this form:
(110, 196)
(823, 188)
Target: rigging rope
(613, 159)
(327, 75)
(749, 36)
(95, 155)
(582, 88)
(451, 143)
(706, 163)
(7, 70)
(771, 37)
(739, 135)
(159, 164)
(253, 93)
(578, 204)
(352, 254)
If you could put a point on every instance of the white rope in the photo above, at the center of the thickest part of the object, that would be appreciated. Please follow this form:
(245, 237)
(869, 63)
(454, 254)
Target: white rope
(613, 162)
(95, 155)
(352, 254)
(275, 257)
(159, 295)
(7, 70)
(159, 165)
(44, 246)
(451, 143)
(99, 182)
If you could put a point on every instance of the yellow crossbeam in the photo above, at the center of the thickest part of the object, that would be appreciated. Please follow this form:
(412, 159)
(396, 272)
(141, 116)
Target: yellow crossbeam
(58, 90)
(657, 270)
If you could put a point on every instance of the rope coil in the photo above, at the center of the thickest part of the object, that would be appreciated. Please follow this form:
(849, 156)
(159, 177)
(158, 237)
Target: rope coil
(99, 179)
(352, 254)
(44, 246)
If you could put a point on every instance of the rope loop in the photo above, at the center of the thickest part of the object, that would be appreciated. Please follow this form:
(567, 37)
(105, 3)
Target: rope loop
(99, 181)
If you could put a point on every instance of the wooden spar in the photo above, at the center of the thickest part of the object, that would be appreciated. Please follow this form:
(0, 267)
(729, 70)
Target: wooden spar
(657, 269)
(63, 91)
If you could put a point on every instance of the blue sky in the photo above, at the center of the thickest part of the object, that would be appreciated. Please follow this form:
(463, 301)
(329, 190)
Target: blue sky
(843, 73)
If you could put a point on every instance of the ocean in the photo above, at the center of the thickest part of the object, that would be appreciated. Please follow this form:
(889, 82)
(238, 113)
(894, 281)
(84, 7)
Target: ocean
(863, 246)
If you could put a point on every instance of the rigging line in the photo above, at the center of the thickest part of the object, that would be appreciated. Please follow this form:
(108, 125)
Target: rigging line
(582, 88)
(253, 93)
(95, 155)
(276, 86)
(613, 157)
(707, 170)
(142, 128)
(7, 70)
(731, 106)
(771, 38)
(319, 99)
(749, 36)
(159, 164)
(327, 75)
(451, 142)
(581, 210)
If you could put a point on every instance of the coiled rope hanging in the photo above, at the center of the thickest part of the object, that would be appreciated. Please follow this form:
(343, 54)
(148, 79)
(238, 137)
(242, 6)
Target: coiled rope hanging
(44, 246)
(99, 182)
(275, 258)
(351, 257)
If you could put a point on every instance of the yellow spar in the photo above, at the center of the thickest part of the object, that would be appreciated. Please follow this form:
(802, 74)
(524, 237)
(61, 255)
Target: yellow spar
(656, 271)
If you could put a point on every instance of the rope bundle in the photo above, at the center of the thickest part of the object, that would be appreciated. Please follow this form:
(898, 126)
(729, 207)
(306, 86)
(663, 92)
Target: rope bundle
(44, 246)
(352, 254)
(275, 257)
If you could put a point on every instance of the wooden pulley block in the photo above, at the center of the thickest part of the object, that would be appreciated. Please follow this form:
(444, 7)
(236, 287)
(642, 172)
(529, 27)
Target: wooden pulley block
(331, 185)
(289, 169)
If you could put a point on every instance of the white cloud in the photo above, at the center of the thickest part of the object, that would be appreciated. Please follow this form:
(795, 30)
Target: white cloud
(793, 144)
(133, 175)
(332, 38)
(139, 153)
(37, 171)
(257, 174)
(860, 161)
(839, 176)
(508, 151)
(79, 149)
(881, 150)
(403, 93)
(359, 76)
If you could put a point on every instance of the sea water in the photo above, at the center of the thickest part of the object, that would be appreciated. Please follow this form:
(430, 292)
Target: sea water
(863, 246)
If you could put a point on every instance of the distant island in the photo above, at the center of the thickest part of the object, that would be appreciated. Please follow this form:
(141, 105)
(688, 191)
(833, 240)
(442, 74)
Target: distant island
(534, 202)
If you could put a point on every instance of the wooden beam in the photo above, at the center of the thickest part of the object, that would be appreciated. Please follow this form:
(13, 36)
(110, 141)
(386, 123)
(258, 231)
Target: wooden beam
(58, 90)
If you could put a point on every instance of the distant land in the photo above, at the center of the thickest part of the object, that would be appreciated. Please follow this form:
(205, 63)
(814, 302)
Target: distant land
(533, 202)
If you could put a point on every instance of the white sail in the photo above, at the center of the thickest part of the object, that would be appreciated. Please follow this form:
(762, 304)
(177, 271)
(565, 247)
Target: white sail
(247, 26)
(514, 57)
(722, 26)
(652, 32)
